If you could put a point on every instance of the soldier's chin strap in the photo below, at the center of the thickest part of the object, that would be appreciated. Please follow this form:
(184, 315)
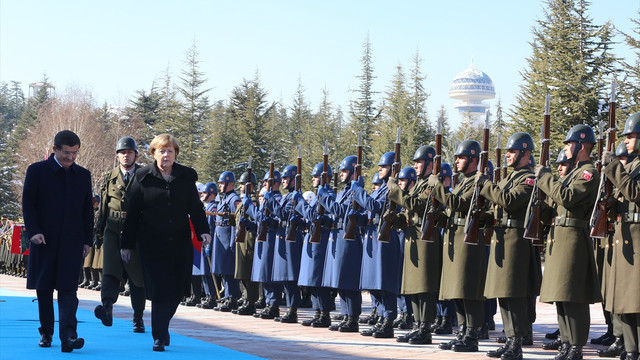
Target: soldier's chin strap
(574, 156)
(466, 165)
(348, 180)
(518, 158)
(424, 169)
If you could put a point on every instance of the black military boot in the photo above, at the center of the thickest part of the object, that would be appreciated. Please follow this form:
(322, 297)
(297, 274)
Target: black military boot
(87, 277)
(337, 326)
(552, 336)
(350, 326)
(104, 312)
(385, 331)
(483, 334)
(274, 312)
(469, 342)
(266, 309)
(514, 352)
(324, 321)
(445, 327)
(339, 317)
(399, 319)
(260, 304)
(614, 350)
(632, 356)
(405, 338)
(370, 331)
(575, 353)
(563, 351)
(436, 323)
(553, 345)
(459, 335)
(527, 340)
(314, 318)
(291, 317)
(246, 309)
(501, 350)
(605, 339)
(231, 304)
(373, 315)
(406, 322)
(423, 337)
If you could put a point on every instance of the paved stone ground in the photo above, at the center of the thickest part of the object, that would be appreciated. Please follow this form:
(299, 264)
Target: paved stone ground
(272, 340)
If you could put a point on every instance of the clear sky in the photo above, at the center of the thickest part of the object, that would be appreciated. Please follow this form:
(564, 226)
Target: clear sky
(114, 48)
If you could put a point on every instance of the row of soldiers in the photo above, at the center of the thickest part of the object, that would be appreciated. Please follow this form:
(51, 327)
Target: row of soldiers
(11, 263)
(277, 252)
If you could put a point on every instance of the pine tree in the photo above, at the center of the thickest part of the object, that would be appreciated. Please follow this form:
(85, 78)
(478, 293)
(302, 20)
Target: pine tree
(364, 113)
(419, 130)
(300, 126)
(570, 60)
(630, 84)
(169, 109)
(194, 110)
(448, 148)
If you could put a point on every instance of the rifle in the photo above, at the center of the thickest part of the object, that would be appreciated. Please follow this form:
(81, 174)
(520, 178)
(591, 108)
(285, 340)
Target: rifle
(384, 227)
(472, 224)
(599, 223)
(429, 217)
(262, 235)
(350, 233)
(335, 177)
(498, 170)
(241, 233)
(533, 227)
(223, 214)
(292, 229)
(315, 237)
(504, 167)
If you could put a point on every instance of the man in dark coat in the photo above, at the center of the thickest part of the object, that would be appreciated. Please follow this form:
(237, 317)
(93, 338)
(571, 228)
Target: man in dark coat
(58, 214)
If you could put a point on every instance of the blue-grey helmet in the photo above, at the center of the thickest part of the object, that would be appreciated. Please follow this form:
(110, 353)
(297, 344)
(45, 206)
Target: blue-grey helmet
(387, 159)
(210, 188)
(520, 141)
(581, 133)
(126, 143)
(226, 177)
(470, 148)
(621, 150)
(244, 178)
(349, 163)
(490, 168)
(425, 152)
(376, 179)
(632, 125)
(290, 171)
(445, 169)
(277, 178)
(317, 170)
(408, 173)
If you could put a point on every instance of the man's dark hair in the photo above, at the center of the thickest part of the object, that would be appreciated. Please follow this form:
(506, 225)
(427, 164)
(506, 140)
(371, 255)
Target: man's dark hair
(66, 137)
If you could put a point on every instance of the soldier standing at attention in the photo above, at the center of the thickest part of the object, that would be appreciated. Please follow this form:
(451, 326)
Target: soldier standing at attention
(223, 246)
(623, 282)
(463, 265)
(570, 278)
(244, 250)
(209, 198)
(111, 216)
(422, 263)
(511, 266)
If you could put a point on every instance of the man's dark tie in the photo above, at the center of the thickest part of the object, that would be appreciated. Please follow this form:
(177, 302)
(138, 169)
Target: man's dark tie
(126, 178)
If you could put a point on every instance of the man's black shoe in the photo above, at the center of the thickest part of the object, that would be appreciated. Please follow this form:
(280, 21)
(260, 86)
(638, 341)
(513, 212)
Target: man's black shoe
(45, 340)
(138, 326)
(246, 309)
(350, 326)
(72, 344)
(158, 345)
(324, 321)
(315, 317)
(552, 336)
(606, 339)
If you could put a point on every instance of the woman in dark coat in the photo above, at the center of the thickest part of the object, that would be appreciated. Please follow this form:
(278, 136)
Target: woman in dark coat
(162, 200)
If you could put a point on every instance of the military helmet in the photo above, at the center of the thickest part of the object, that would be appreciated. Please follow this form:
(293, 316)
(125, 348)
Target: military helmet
(532, 161)
(200, 186)
(490, 168)
(445, 169)
(349, 163)
(226, 177)
(632, 125)
(317, 170)
(290, 171)
(244, 178)
(126, 143)
(469, 148)
(408, 173)
(425, 152)
(210, 188)
(621, 150)
(387, 159)
(562, 157)
(520, 141)
(581, 133)
(376, 179)
(276, 176)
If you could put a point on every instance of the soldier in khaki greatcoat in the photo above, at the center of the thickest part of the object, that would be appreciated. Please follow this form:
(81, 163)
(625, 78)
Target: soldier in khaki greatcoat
(111, 217)
(570, 278)
(511, 262)
(623, 282)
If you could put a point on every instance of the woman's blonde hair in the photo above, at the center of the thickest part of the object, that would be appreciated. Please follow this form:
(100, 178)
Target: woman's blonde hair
(164, 140)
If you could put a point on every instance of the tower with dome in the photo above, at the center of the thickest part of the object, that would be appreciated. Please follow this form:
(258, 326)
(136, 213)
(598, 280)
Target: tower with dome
(472, 87)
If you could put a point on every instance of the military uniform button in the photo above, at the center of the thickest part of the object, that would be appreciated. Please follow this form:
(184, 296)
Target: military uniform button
(617, 241)
(626, 242)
